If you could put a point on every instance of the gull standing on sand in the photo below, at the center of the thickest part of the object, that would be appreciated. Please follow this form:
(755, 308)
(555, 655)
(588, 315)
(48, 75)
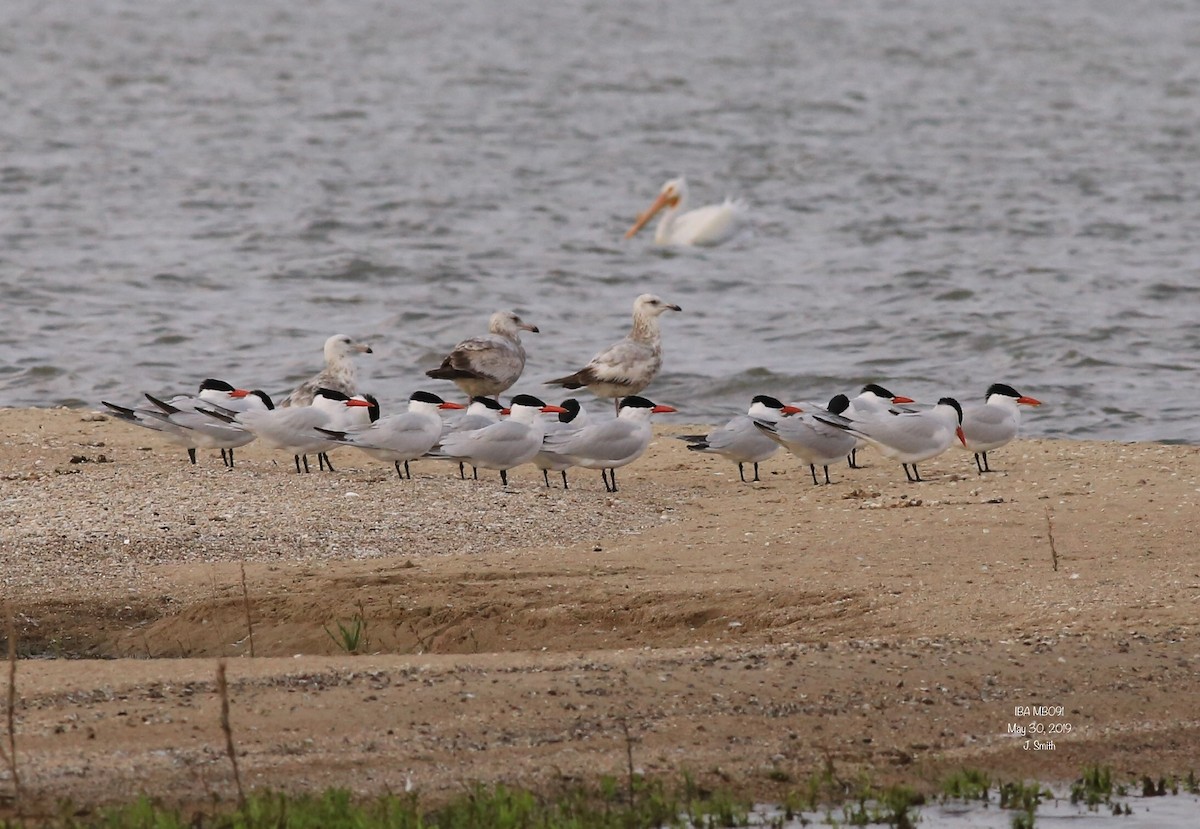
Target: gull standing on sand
(873, 399)
(486, 365)
(295, 429)
(168, 417)
(815, 442)
(504, 445)
(610, 444)
(995, 423)
(908, 437)
(625, 367)
(570, 420)
(339, 373)
(402, 437)
(708, 225)
(739, 440)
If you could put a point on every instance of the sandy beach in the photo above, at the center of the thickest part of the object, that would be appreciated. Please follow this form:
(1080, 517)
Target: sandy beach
(747, 633)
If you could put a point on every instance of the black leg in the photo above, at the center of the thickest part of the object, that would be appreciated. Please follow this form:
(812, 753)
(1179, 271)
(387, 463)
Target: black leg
(462, 471)
(826, 467)
(407, 471)
(852, 458)
(399, 474)
(192, 455)
(564, 474)
(504, 477)
(324, 459)
(296, 458)
(474, 473)
(908, 474)
(546, 477)
(756, 478)
(741, 474)
(813, 470)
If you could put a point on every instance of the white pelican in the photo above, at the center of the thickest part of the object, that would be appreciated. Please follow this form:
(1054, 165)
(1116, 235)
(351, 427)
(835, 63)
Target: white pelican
(708, 225)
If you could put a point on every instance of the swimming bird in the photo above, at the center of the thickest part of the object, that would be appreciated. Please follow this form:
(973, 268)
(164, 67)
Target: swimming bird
(573, 418)
(402, 437)
(709, 225)
(814, 441)
(339, 373)
(295, 429)
(909, 437)
(994, 423)
(873, 399)
(610, 444)
(625, 367)
(739, 440)
(488, 364)
(156, 417)
(504, 445)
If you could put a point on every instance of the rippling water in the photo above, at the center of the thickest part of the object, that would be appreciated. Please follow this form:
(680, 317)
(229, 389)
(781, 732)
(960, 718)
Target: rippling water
(945, 195)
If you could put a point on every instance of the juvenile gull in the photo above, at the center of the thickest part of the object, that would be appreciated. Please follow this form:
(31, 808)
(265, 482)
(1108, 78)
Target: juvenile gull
(486, 365)
(708, 225)
(626, 367)
(339, 373)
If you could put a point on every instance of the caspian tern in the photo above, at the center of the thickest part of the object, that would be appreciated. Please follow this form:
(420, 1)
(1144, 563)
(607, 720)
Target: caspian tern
(504, 445)
(211, 392)
(399, 438)
(739, 440)
(202, 431)
(610, 444)
(628, 366)
(339, 373)
(994, 423)
(573, 418)
(295, 429)
(483, 411)
(909, 437)
(873, 399)
(709, 225)
(814, 441)
(488, 364)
